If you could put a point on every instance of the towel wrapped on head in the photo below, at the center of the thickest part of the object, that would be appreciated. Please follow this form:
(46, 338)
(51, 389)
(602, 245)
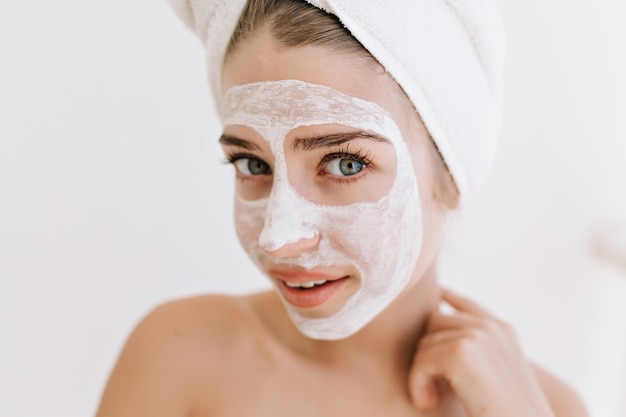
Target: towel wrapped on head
(447, 55)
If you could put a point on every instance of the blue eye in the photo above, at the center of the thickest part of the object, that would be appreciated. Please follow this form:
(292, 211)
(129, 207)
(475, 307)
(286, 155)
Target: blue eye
(251, 166)
(345, 167)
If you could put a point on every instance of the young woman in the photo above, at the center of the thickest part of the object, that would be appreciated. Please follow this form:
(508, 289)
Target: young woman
(341, 195)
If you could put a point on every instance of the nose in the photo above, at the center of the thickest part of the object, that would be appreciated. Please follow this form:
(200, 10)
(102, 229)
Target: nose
(289, 226)
(294, 249)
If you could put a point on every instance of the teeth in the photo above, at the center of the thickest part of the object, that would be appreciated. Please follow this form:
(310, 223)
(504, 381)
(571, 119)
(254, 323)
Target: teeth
(309, 284)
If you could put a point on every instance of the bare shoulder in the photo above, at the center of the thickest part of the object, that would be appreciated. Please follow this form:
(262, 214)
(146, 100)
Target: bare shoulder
(565, 402)
(178, 349)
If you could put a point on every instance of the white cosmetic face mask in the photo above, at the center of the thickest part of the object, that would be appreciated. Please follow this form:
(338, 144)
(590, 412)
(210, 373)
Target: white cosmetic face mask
(380, 239)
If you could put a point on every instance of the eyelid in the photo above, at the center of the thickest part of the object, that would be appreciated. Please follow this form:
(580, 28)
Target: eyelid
(362, 155)
(365, 159)
(232, 158)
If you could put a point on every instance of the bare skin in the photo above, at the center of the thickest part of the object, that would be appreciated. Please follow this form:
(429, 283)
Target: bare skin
(222, 356)
(242, 356)
(225, 356)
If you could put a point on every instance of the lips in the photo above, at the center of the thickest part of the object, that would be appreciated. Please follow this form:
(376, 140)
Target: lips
(307, 289)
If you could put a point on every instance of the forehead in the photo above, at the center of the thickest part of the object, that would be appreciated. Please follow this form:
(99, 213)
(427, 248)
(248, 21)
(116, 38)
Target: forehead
(286, 104)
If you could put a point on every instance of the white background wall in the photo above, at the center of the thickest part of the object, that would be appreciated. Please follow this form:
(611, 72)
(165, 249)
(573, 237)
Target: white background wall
(113, 197)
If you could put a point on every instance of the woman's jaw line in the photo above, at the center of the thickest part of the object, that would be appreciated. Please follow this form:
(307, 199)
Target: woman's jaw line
(390, 337)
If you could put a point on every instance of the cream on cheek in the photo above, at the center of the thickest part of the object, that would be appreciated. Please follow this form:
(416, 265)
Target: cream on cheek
(380, 239)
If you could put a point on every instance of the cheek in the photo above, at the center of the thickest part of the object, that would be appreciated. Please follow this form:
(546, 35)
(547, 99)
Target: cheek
(424, 169)
(248, 222)
(433, 211)
(254, 187)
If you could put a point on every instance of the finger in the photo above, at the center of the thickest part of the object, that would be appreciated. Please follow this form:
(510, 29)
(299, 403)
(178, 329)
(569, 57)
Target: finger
(429, 368)
(425, 395)
(439, 321)
(461, 303)
(444, 337)
(423, 386)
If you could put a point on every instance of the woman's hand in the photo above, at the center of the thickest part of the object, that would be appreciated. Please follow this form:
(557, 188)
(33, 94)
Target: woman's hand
(479, 358)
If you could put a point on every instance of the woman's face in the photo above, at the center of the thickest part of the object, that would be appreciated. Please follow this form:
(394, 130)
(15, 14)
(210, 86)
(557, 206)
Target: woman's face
(329, 159)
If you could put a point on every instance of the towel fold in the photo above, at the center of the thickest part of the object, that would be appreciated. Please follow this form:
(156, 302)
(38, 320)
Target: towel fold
(447, 55)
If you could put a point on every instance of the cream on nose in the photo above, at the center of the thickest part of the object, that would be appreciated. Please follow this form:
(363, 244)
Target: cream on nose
(289, 225)
(295, 249)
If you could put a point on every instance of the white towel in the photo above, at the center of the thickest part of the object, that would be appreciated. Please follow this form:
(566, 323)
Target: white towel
(447, 55)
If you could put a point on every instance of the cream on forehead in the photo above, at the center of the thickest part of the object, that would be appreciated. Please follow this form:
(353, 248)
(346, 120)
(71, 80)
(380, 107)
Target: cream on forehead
(380, 239)
(275, 107)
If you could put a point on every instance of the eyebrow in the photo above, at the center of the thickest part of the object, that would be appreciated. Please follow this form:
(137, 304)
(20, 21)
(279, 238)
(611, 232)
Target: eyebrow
(308, 143)
(229, 140)
(324, 141)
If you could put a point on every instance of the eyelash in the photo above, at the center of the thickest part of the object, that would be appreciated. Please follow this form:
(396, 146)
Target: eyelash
(234, 157)
(343, 153)
(360, 156)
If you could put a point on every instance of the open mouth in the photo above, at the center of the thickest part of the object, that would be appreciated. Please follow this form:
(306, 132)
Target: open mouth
(306, 285)
(309, 294)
